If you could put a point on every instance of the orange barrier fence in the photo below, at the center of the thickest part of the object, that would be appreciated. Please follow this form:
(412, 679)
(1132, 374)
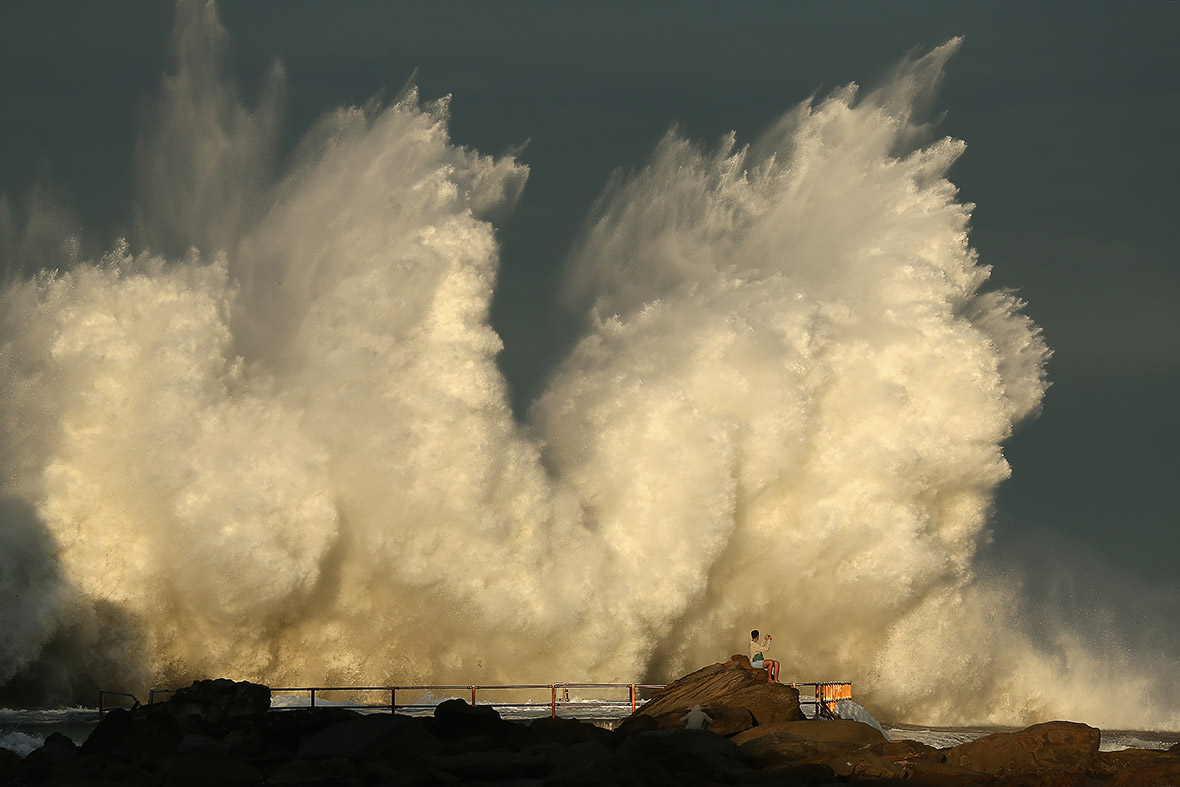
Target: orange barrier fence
(825, 696)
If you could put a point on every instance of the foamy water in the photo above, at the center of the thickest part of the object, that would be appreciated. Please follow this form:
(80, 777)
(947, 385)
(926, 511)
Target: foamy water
(267, 438)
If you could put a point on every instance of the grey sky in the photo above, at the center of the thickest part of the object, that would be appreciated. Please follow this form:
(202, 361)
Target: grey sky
(1070, 112)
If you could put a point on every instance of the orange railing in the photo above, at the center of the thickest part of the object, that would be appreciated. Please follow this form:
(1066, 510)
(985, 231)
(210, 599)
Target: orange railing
(824, 696)
(555, 695)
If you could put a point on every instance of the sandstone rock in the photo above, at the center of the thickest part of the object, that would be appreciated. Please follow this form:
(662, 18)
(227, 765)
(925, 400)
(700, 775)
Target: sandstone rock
(863, 765)
(1108, 763)
(726, 721)
(905, 751)
(844, 731)
(1149, 774)
(777, 747)
(732, 684)
(1061, 745)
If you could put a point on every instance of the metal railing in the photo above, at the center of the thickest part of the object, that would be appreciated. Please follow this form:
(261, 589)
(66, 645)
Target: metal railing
(102, 700)
(823, 696)
(556, 695)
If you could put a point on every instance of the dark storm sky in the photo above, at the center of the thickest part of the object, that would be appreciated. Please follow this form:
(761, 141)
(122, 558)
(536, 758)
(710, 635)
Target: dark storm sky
(1071, 114)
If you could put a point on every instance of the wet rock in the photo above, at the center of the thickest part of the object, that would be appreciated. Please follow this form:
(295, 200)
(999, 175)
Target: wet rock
(1061, 745)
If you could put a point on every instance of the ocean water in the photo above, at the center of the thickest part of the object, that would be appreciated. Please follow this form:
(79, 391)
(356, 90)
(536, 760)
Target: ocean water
(265, 437)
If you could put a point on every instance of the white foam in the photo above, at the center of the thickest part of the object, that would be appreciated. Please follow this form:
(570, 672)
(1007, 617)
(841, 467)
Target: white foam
(288, 454)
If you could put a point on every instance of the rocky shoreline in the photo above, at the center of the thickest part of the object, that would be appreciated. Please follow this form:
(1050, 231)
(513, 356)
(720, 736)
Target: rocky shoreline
(222, 733)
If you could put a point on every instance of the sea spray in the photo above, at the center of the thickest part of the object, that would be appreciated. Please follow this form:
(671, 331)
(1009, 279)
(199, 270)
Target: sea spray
(269, 440)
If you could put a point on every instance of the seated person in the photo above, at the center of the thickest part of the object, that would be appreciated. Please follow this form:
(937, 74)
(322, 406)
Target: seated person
(758, 660)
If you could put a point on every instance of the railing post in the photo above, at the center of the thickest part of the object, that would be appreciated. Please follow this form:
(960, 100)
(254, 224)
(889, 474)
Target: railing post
(313, 698)
(554, 703)
(632, 697)
(473, 696)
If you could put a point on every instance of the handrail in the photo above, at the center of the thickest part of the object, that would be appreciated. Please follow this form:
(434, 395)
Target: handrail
(826, 694)
(103, 694)
(633, 698)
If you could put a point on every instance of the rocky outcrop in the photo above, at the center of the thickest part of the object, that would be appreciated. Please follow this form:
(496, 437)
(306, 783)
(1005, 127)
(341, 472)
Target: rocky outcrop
(1060, 745)
(217, 739)
(734, 694)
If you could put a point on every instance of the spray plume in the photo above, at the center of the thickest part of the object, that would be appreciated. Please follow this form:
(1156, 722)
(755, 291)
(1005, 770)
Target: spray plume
(286, 454)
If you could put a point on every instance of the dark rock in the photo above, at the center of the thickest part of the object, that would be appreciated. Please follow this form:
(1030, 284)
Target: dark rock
(464, 728)
(807, 774)
(200, 769)
(699, 753)
(782, 748)
(636, 723)
(283, 731)
(373, 736)
(843, 731)
(56, 749)
(136, 737)
(568, 732)
(726, 721)
(491, 765)
(1061, 745)
(578, 763)
(217, 701)
(12, 767)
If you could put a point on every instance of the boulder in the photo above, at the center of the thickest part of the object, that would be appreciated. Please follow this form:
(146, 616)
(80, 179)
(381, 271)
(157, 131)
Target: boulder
(568, 732)
(726, 721)
(698, 753)
(1158, 773)
(733, 684)
(220, 700)
(843, 731)
(371, 735)
(199, 769)
(777, 747)
(1060, 745)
